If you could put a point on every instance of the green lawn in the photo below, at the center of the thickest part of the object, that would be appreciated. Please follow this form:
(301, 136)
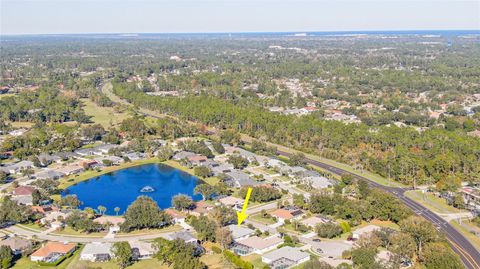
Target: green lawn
(432, 202)
(105, 116)
(475, 240)
(258, 217)
(26, 263)
(150, 263)
(69, 231)
(256, 260)
(173, 228)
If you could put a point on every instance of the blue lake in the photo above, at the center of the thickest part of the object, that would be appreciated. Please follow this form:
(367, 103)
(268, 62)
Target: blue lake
(121, 188)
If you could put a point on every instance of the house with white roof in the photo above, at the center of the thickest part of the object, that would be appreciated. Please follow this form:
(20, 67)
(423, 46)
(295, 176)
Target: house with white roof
(240, 232)
(256, 245)
(364, 230)
(285, 257)
(97, 252)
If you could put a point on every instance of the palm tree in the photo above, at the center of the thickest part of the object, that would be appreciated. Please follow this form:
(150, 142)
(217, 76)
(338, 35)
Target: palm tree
(116, 209)
(101, 209)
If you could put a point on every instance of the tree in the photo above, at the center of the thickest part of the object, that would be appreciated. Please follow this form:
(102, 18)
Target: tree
(223, 236)
(364, 258)
(116, 209)
(202, 171)
(123, 254)
(6, 257)
(183, 202)
(164, 154)
(178, 253)
(218, 147)
(70, 201)
(314, 263)
(205, 190)
(297, 159)
(101, 209)
(238, 161)
(328, 230)
(223, 215)
(261, 194)
(440, 256)
(421, 230)
(402, 245)
(11, 211)
(144, 213)
(205, 228)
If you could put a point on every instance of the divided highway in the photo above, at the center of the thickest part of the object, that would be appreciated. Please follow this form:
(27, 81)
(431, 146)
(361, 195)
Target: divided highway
(467, 252)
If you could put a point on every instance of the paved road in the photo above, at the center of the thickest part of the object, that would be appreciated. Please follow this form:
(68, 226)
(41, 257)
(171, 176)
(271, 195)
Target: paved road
(469, 255)
(467, 252)
(81, 239)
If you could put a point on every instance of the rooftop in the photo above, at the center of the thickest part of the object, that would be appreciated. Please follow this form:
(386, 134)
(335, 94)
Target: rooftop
(259, 243)
(294, 254)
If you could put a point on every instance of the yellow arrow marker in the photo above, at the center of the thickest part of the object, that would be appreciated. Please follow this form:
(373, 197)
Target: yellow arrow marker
(242, 215)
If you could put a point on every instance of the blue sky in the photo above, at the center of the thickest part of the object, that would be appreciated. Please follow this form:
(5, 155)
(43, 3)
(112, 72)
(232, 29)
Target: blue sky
(190, 16)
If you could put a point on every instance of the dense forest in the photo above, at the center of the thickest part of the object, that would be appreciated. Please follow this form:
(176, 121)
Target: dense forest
(400, 153)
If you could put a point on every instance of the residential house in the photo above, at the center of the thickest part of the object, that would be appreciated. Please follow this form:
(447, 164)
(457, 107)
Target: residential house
(240, 232)
(240, 179)
(183, 235)
(53, 251)
(221, 169)
(471, 197)
(177, 216)
(54, 219)
(183, 155)
(285, 257)
(314, 221)
(201, 208)
(135, 156)
(318, 182)
(97, 252)
(17, 244)
(142, 250)
(48, 174)
(283, 214)
(364, 230)
(23, 191)
(46, 159)
(256, 245)
(71, 169)
(197, 160)
(113, 222)
(17, 168)
(233, 202)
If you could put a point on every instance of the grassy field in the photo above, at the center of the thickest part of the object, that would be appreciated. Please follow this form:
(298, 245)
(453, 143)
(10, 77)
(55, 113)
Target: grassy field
(432, 202)
(106, 116)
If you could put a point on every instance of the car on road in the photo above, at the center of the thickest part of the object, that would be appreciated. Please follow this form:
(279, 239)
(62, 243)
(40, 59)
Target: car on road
(319, 250)
(317, 240)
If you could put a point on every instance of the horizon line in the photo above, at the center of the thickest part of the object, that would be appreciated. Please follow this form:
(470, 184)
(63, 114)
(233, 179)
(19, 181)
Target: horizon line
(245, 32)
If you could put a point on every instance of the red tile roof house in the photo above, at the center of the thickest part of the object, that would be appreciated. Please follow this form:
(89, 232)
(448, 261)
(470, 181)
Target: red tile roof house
(283, 214)
(23, 191)
(201, 208)
(197, 159)
(52, 252)
(177, 216)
